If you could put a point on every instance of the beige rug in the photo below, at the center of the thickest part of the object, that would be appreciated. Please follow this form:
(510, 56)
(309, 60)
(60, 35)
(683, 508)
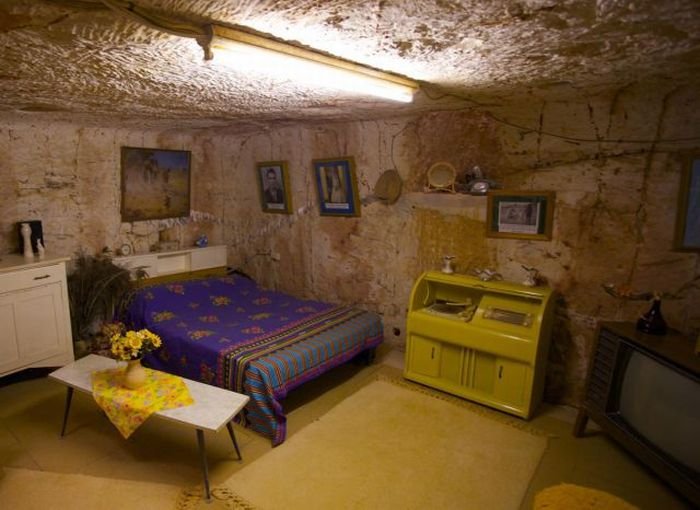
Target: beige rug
(26, 489)
(391, 446)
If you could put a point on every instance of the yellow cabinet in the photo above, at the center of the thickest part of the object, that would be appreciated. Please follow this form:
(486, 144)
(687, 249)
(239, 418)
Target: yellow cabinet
(485, 341)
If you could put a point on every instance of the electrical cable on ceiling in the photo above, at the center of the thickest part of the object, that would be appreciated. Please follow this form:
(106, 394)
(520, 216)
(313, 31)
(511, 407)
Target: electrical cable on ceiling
(557, 135)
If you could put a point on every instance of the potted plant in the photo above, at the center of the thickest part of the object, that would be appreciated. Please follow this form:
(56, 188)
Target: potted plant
(96, 289)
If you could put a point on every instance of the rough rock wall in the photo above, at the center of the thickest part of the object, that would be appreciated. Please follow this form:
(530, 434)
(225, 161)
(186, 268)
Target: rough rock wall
(617, 176)
(614, 214)
(69, 177)
(613, 159)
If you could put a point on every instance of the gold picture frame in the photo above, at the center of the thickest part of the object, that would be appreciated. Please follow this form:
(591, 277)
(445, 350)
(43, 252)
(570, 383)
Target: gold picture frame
(687, 233)
(273, 184)
(525, 215)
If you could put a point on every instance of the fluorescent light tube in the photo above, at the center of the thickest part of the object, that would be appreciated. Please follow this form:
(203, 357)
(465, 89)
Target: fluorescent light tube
(249, 52)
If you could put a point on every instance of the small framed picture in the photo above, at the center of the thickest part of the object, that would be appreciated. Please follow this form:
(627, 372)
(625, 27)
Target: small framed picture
(687, 236)
(520, 214)
(337, 186)
(273, 182)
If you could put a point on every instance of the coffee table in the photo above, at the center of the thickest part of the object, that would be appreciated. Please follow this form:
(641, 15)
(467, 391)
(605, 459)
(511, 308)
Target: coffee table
(213, 407)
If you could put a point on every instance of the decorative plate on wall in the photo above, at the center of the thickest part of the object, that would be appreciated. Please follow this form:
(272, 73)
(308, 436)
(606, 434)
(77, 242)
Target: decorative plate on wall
(441, 177)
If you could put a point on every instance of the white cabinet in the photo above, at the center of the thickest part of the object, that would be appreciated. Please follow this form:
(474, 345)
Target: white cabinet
(34, 314)
(177, 262)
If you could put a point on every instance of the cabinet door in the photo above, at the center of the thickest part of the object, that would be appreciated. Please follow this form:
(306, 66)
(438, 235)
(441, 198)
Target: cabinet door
(32, 325)
(424, 356)
(510, 384)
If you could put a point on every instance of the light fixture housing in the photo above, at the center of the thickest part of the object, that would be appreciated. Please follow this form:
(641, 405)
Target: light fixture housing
(247, 51)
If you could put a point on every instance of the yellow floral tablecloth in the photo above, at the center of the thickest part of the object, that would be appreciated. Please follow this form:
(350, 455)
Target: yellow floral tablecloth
(127, 409)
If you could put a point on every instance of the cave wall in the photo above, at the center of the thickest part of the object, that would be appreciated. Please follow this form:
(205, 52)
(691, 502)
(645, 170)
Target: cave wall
(614, 214)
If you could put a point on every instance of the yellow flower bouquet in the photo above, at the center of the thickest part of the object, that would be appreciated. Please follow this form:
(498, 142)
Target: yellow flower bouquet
(130, 345)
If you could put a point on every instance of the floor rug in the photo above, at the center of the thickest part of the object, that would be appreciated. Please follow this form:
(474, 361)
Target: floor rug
(397, 446)
(26, 489)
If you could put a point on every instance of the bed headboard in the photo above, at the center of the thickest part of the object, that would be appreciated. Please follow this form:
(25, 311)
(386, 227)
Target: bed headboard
(176, 264)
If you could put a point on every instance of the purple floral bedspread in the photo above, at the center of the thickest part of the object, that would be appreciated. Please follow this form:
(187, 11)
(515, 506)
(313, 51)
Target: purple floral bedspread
(231, 333)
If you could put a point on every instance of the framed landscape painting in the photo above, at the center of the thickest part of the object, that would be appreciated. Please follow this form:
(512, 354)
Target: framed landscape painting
(520, 214)
(155, 184)
(337, 186)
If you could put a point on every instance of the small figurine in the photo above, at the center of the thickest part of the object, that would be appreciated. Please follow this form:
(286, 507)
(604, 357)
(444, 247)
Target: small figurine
(40, 247)
(486, 275)
(532, 279)
(202, 241)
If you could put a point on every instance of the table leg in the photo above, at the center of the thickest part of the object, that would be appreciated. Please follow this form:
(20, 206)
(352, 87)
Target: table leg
(581, 422)
(69, 397)
(233, 438)
(205, 468)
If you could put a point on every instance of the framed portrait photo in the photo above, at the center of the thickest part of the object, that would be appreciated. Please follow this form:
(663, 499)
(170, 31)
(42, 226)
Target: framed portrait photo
(155, 184)
(337, 186)
(273, 183)
(687, 236)
(520, 214)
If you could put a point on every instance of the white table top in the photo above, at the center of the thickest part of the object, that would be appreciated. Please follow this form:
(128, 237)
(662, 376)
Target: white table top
(213, 407)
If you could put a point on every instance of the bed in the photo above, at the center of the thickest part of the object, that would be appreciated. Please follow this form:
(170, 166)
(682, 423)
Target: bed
(229, 332)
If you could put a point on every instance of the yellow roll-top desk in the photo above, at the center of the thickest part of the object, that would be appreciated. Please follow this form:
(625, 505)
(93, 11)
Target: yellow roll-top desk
(486, 341)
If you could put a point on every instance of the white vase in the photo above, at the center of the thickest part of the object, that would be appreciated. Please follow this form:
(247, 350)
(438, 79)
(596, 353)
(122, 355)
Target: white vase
(135, 375)
(26, 232)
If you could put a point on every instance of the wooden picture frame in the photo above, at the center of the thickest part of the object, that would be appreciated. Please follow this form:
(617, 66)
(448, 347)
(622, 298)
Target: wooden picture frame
(337, 186)
(520, 214)
(273, 184)
(687, 234)
(155, 184)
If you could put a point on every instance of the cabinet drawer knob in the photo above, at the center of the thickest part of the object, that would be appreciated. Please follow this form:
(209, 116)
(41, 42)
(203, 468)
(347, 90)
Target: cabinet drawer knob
(42, 277)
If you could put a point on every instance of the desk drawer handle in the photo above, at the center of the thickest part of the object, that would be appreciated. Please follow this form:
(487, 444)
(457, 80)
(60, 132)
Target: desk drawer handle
(500, 372)
(42, 277)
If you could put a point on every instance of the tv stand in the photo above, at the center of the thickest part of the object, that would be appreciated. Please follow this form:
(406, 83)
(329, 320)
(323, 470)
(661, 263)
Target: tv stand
(671, 354)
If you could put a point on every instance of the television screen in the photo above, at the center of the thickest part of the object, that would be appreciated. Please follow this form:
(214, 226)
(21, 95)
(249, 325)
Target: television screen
(663, 406)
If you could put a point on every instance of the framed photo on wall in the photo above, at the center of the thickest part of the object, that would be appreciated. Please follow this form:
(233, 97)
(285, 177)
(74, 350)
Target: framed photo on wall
(520, 214)
(273, 183)
(687, 236)
(337, 186)
(155, 184)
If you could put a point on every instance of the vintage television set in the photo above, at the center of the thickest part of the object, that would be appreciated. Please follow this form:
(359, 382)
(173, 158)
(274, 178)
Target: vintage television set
(644, 391)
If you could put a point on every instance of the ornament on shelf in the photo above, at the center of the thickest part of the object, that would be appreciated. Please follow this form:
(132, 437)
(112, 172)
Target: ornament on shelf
(533, 277)
(26, 232)
(486, 275)
(447, 267)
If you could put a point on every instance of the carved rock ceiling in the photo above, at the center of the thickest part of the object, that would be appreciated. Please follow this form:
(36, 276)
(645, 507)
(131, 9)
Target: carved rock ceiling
(71, 59)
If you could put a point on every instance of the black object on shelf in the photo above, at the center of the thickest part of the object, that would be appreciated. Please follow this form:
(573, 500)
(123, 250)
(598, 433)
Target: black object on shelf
(653, 322)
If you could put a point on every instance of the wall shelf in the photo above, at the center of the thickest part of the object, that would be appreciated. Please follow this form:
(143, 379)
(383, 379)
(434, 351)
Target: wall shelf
(175, 262)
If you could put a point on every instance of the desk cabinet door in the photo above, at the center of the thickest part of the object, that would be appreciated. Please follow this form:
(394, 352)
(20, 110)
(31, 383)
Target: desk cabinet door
(424, 356)
(510, 382)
